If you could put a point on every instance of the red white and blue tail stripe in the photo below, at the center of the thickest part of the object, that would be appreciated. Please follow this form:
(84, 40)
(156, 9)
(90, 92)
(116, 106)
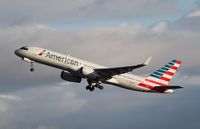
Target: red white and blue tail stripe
(162, 76)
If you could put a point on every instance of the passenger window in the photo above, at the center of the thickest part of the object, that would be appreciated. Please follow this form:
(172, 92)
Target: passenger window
(24, 48)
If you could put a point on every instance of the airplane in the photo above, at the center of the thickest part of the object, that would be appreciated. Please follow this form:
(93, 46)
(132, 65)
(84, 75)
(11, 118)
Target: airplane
(74, 70)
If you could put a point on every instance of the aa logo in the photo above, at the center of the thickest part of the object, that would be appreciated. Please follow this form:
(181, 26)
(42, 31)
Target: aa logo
(42, 53)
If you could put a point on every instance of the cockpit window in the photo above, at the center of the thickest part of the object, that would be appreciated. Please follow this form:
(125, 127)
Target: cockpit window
(24, 48)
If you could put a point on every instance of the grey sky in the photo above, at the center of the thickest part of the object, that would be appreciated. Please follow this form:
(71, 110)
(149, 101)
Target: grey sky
(29, 11)
(41, 100)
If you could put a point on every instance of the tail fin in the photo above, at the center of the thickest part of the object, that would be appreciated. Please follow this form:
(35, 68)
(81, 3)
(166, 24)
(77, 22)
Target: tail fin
(163, 76)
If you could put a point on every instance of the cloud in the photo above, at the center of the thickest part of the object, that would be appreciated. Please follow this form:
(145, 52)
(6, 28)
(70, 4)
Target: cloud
(188, 80)
(26, 12)
(10, 97)
(164, 43)
(42, 100)
(5, 99)
(50, 101)
(195, 13)
(189, 22)
(128, 9)
(3, 107)
(46, 127)
(160, 27)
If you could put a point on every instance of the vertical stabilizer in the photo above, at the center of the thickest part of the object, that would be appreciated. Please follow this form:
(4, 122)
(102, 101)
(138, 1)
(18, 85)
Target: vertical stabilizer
(163, 76)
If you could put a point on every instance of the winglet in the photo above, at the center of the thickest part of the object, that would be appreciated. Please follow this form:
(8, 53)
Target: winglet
(147, 61)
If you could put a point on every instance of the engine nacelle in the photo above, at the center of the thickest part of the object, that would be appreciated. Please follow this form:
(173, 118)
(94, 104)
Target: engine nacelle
(70, 77)
(89, 72)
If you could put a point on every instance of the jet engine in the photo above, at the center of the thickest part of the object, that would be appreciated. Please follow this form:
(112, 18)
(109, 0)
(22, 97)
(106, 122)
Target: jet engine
(70, 77)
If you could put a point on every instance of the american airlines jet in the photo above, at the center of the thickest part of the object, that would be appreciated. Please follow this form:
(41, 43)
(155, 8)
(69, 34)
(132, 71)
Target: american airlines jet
(74, 70)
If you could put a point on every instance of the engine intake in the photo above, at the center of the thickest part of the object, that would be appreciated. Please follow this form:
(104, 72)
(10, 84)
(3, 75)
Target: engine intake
(70, 77)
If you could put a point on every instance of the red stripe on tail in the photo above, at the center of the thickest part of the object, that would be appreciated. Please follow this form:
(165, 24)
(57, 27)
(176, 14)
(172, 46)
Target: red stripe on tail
(146, 85)
(174, 68)
(150, 87)
(169, 73)
(178, 62)
(155, 82)
(165, 79)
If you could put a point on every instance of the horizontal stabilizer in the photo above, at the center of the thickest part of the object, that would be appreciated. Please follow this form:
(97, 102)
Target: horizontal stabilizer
(167, 87)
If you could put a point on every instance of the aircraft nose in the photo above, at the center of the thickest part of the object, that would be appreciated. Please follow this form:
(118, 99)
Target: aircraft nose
(17, 52)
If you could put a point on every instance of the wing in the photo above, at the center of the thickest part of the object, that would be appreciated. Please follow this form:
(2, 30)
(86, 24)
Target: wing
(109, 72)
